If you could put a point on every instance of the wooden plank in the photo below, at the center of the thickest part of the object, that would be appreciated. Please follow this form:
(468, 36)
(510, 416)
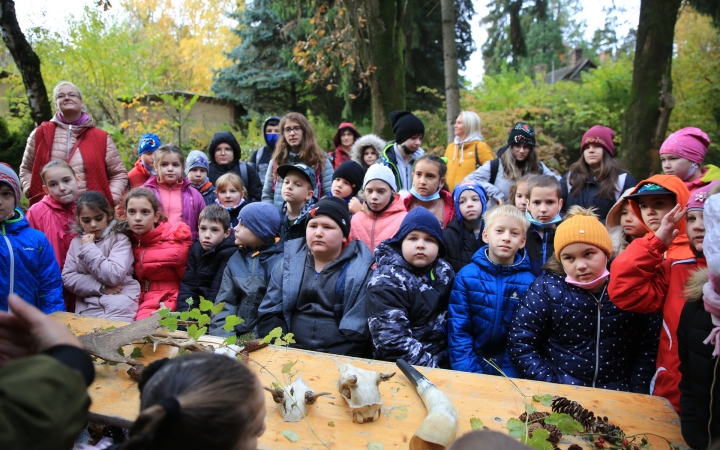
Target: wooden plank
(488, 398)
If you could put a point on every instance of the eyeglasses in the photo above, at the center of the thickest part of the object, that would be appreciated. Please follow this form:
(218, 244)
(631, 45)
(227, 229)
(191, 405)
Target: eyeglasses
(224, 150)
(291, 130)
(70, 95)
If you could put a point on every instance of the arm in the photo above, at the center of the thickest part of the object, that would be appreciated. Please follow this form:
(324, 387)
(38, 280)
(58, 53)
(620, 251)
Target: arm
(268, 192)
(547, 171)
(640, 279)
(188, 284)
(255, 189)
(482, 177)
(228, 295)
(326, 179)
(50, 297)
(84, 285)
(116, 173)
(564, 188)
(219, 275)
(270, 312)
(460, 330)
(630, 182)
(645, 351)
(28, 159)
(110, 270)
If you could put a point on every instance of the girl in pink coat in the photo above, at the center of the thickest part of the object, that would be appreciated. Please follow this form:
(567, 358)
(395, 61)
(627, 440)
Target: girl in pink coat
(99, 264)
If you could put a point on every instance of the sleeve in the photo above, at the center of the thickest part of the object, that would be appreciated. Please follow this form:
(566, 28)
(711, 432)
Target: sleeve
(255, 189)
(188, 284)
(182, 262)
(30, 215)
(110, 270)
(84, 285)
(354, 324)
(564, 191)
(689, 417)
(645, 351)
(529, 331)
(630, 182)
(460, 330)
(326, 179)
(268, 192)
(484, 153)
(28, 159)
(252, 161)
(229, 296)
(50, 296)
(640, 279)
(270, 312)
(219, 275)
(116, 173)
(482, 177)
(547, 171)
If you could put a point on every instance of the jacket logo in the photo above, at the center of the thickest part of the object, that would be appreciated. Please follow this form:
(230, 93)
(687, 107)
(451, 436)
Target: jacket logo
(29, 249)
(514, 295)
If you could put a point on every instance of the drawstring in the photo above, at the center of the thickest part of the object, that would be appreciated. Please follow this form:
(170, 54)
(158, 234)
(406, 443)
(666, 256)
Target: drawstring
(462, 152)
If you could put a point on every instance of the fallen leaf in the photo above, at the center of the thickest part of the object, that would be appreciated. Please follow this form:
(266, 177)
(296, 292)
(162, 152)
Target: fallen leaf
(290, 435)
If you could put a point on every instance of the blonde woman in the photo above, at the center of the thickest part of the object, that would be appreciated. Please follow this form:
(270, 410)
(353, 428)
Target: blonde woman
(467, 152)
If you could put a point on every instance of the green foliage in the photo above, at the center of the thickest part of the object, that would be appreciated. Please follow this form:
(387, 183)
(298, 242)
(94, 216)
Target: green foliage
(276, 337)
(546, 399)
(538, 440)
(516, 428)
(231, 322)
(565, 423)
(476, 424)
(12, 142)
(290, 435)
(136, 353)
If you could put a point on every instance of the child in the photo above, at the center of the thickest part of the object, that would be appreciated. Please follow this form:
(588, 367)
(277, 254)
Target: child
(196, 168)
(462, 236)
(384, 211)
(28, 266)
(226, 157)
(646, 281)
(231, 195)
(100, 262)
(160, 250)
(427, 189)
(698, 337)
(317, 291)
(247, 275)
(144, 168)
(519, 193)
(347, 181)
(367, 149)
(207, 258)
(682, 155)
(486, 294)
(544, 205)
(180, 202)
(566, 330)
(401, 153)
(623, 225)
(298, 190)
(408, 294)
(260, 159)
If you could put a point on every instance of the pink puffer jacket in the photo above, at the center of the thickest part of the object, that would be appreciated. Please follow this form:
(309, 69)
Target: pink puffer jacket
(372, 229)
(63, 143)
(91, 267)
(55, 220)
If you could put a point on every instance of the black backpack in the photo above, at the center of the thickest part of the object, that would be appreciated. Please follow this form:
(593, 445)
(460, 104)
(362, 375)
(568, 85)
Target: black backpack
(495, 164)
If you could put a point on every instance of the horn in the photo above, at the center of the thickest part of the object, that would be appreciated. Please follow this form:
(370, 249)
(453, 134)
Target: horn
(310, 396)
(386, 376)
(278, 395)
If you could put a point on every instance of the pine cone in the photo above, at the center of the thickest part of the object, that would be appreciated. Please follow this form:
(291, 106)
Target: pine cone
(533, 427)
(555, 434)
(536, 417)
(575, 410)
(575, 447)
(607, 430)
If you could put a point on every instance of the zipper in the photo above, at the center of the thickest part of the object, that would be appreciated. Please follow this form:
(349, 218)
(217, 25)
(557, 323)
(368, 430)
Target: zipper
(68, 142)
(597, 337)
(372, 232)
(12, 263)
(146, 282)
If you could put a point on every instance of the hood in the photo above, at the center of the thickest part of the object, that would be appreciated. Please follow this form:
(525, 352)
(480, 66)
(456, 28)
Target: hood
(224, 137)
(89, 123)
(712, 173)
(341, 127)
(671, 183)
(397, 205)
(369, 140)
(265, 124)
(388, 254)
(481, 258)
(153, 182)
(473, 137)
(56, 205)
(613, 217)
(468, 185)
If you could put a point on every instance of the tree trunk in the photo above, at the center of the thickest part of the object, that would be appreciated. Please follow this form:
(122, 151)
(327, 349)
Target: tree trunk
(651, 99)
(517, 39)
(452, 81)
(27, 62)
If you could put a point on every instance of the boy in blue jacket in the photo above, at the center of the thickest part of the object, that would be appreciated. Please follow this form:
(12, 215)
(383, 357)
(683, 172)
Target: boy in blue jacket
(27, 260)
(486, 294)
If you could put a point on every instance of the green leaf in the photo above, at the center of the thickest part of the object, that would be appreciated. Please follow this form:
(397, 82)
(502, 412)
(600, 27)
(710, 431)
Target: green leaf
(290, 435)
(170, 323)
(231, 340)
(199, 333)
(189, 301)
(289, 338)
(530, 408)
(375, 446)
(287, 367)
(205, 305)
(164, 312)
(516, 428)
(231, 321)
(565, 423)
(136, 353)
(274, 334)
(476, 424)
(203, 320)
(218, 308)
(184, 316)
(192, 330)
(539, 440)
(331, 424)
(546, 399)
(121, 352)
(195, 313)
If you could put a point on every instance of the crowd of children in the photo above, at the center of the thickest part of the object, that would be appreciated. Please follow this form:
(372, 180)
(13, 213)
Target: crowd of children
(368, 252)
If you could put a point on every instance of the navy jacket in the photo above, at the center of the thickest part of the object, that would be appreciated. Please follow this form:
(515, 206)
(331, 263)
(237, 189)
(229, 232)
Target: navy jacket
(588, 196)
(204, 272)
(461, 244)
(539, 248)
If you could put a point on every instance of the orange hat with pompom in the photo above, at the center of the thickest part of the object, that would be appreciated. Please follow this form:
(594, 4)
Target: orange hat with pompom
(582, 226)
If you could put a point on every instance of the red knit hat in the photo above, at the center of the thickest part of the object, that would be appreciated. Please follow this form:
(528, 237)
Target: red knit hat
(600, 135)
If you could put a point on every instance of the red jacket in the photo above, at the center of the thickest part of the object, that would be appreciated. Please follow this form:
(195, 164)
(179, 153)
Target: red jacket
(372, 229)
(642, 282)
(138, 175)
(161, 257)
(55, 220)
(446, 197)
(340, 155)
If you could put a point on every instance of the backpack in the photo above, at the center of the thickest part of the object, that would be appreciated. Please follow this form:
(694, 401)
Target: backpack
(494, 164)
(244, 174)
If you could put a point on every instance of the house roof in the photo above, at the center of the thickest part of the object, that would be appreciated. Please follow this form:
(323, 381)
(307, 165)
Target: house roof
(571, 73)
(155, 97)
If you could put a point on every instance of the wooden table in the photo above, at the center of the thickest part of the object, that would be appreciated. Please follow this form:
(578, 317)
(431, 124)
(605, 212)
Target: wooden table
(115, 399)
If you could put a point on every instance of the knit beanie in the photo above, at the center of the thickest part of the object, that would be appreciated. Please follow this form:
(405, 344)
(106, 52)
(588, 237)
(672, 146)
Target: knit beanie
(689, 143)
(196, 159)
(8, 175)
(148, 143)
(468, 185)
(405, 125)
(600, 135)
(423, 220)
(522, 133)
(263, 219)
(582, 226)
(379, 171)
(351, 172)
(698, 198)
(336, 209)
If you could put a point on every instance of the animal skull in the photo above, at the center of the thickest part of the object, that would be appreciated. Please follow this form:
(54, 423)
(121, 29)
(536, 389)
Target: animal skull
(294, 399)
(359, 388)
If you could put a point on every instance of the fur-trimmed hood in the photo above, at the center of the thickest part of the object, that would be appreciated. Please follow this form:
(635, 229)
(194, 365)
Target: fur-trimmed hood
(694, 286)
(369, 140)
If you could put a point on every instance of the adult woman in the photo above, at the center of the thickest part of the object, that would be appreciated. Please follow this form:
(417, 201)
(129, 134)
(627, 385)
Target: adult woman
(498, 176)
(96, 162)
(682, 155)
(344, 139)
(297, 144)
(224, 153)
(596, 179)
(468, 151)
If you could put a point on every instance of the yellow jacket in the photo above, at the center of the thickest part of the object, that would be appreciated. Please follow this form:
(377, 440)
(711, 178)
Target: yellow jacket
(462, 160)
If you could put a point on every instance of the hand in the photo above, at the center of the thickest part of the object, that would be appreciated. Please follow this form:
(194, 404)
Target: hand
(162, 306)
(112, 290)
(27, 331)
(355, 205)
(87, 238)
(500, 201)
(668, 231)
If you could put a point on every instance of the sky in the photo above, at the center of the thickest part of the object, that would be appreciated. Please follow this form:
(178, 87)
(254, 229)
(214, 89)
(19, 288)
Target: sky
(51, 13)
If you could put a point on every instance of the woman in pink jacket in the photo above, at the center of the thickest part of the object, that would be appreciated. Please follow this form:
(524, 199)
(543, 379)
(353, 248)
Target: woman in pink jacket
(384, 210)
(99, 264)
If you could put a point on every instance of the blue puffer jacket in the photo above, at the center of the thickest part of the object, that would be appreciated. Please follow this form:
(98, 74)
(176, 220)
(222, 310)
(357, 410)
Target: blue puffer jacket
(482, 305)
(563, 334)
(28, 266)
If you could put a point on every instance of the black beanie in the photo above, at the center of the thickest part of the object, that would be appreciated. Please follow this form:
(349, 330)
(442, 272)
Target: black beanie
(351, 172)
(522, 133)
(405, 125)
(336, 209)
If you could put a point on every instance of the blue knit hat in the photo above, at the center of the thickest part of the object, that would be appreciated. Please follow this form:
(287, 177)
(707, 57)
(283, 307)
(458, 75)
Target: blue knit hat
(148, 143)
(468, 185)
(196, 159)
(423, 220)
(9, 177)
(263, 219)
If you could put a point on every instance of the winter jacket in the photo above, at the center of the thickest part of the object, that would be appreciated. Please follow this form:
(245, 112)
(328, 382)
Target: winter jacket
(204, 272)
(260, 159)
(272, 189)
(501, 188)
(700, 383)
(483, 302)
(138, 175)
(44, 399)
(253, 182)
(389, 158)
(339, 155)
(28, 267)
(710, 173)
(208, 192)
(55, 220)
(92, 267)
(245, 281)
(461, 244)
(63, 143)
(588, 196)
(539, 248)
(465, 157)
(279, 306)
(369, 140)
(407, 309)
(192, 203)
(295, 229)
(645, 283)
(554, 338)
(447, 199)
(161, 257)
(372, 228)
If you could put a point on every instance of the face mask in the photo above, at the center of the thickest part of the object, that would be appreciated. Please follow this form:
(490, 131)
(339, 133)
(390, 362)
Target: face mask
(555, 221)
(429, 198)
(691, 170)
(406, 150)
(590, 285)
(230, 208)
(271, 139)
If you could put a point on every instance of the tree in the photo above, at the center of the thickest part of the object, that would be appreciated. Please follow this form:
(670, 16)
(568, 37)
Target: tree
(452, 81)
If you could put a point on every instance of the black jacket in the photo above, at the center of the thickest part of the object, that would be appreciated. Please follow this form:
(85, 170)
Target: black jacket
(204, 272)
(461, 244)
(700, 384)
(254, 184)
(588, 196)
(539, 248)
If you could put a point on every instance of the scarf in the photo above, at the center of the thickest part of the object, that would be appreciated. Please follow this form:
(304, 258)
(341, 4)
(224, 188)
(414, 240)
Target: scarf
(711, 300)
(83, 118)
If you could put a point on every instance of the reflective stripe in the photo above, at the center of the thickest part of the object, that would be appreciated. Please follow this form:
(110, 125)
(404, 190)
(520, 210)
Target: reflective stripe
(12, 264)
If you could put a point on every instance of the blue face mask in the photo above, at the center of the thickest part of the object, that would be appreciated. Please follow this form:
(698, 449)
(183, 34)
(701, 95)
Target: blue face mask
(271, 139)
(555, 221)
(429, 198)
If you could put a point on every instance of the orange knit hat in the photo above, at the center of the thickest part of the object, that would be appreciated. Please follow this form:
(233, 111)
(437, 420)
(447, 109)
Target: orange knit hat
(582, 225)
